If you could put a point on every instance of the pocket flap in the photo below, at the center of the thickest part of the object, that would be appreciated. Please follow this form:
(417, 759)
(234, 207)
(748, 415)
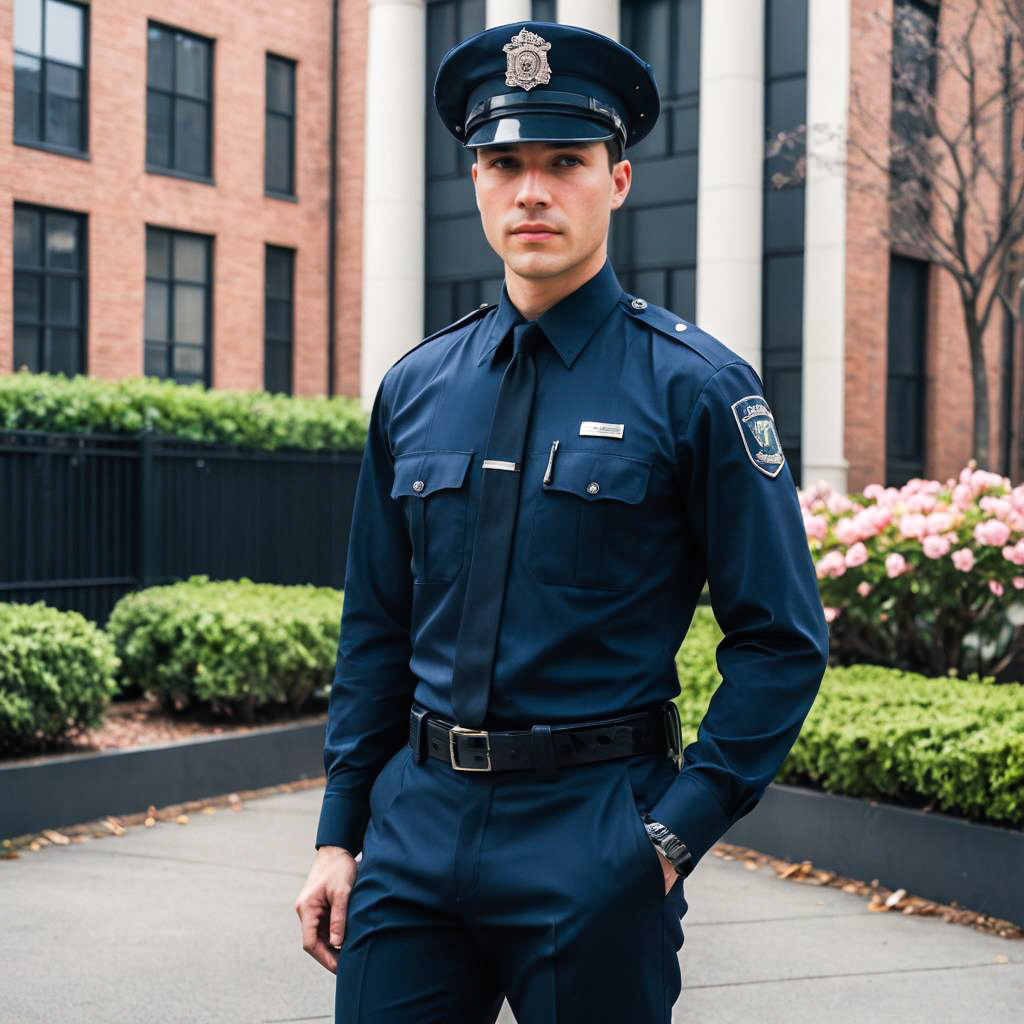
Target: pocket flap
(597, 475)
(419, 474)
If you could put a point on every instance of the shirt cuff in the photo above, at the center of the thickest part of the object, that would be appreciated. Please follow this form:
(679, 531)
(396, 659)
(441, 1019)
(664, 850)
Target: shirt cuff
(690, 810)
(342, 823)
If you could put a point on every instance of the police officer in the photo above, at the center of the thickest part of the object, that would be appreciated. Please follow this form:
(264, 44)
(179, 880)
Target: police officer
(545, 487)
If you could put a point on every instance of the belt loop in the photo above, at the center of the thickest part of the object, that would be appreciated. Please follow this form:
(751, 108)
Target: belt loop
(543, 752)
(674, 728)
(418, 732)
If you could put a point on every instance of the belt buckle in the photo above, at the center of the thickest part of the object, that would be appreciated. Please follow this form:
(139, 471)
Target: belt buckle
(469, 732)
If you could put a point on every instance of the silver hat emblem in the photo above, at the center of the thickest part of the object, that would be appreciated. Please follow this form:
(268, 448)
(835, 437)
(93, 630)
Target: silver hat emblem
(527, 60)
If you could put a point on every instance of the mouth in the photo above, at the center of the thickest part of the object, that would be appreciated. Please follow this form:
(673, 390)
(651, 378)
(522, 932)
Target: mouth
(535, 233)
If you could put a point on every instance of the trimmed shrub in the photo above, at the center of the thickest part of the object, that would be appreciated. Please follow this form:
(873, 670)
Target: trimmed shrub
(250, 419)
(56, 675)
(234, 645)
(955, 745)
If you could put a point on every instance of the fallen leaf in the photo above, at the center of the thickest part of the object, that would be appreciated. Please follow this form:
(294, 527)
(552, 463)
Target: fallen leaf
(56, 837)
(895, 897)
(182, 819)
(1002, 958)
(751, 865)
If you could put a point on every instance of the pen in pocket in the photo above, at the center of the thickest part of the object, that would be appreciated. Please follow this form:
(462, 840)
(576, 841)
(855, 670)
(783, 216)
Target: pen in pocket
(551, 462)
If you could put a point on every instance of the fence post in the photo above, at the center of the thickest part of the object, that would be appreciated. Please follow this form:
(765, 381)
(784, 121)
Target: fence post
(147, 510)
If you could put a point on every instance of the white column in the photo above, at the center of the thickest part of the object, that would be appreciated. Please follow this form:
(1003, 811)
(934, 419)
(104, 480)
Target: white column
(730, 174)
(828, 75)
(394, 190)
(501, 12)
(597, 15)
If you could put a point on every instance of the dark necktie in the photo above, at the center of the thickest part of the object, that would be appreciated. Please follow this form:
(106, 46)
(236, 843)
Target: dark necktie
(496, 517)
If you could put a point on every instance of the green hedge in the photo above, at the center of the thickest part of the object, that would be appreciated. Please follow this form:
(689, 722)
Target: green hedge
(954, 744)
(56, 674)
(235, 645)
(250, 419)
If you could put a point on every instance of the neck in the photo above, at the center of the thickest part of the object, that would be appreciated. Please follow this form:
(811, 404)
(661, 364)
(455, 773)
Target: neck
(533, 296)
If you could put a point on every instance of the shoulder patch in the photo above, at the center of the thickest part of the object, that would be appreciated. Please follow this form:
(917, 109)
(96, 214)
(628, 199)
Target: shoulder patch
(666, 323)
(472, 315)
(757, 430)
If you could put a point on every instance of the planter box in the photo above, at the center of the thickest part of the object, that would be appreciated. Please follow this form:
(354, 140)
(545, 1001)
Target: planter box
(51, 792)
(932, 855)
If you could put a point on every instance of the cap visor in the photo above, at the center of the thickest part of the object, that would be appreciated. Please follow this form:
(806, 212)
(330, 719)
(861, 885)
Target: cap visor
(538, 128)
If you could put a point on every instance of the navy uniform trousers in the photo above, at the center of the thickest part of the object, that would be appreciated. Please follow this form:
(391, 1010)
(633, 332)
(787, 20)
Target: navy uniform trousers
(478, 885)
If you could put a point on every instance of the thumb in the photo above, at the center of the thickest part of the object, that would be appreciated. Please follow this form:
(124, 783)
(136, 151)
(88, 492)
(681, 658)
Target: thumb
(337, 926)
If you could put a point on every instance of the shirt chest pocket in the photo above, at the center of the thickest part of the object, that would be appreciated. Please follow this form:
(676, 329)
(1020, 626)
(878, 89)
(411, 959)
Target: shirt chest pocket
(431, 486)
(588, 523)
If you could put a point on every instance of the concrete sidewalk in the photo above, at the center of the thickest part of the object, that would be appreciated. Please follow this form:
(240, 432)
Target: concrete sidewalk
(196, 924)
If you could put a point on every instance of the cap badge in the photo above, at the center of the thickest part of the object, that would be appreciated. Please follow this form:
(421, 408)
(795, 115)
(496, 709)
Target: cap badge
(527, 60)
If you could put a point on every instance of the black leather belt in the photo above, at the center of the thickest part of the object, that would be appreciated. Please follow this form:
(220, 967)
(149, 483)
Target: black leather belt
(543, 748)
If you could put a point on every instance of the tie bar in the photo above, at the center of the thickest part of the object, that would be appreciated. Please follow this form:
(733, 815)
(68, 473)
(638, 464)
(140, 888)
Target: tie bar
(498, 464)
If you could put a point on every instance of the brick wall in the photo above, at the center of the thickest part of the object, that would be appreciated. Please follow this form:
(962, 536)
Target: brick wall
(120, 198)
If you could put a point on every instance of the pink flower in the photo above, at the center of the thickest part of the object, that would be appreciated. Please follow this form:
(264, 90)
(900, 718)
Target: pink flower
(938, 522)
(831, 614)
(997, 507)
(962, 496)
(846, 532)
(838, 503)
(816, 526)
(895, 565)
(993, 532)
(1015, 554)
(864, 588)
(964, 559)
(874, 491)
(935, 547)
(831, 564)
(920, 503)
(912, 524)
(1018, 582)
(996, 587)
(857, 555)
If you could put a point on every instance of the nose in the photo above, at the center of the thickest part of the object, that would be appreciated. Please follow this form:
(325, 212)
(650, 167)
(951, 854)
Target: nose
(532, 189)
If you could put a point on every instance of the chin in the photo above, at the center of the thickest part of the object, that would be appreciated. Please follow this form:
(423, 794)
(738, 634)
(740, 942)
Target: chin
(538, 264)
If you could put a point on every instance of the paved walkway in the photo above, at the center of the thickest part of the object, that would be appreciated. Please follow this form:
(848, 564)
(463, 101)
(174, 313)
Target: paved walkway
(196, 924)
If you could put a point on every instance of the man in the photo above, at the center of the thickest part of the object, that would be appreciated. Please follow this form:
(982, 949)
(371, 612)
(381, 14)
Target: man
(545, 487)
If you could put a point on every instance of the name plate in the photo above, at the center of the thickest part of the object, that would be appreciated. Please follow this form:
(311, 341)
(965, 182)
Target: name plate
(591, 428)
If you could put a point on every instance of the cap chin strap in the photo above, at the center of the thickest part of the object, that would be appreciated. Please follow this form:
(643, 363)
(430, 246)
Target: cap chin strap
(514, 104)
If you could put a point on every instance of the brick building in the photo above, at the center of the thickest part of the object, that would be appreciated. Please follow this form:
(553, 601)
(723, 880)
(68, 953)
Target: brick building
(193, 194)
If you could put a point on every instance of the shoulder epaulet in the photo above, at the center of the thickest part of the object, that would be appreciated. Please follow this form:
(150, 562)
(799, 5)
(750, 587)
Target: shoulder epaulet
(468, 318)
(665, 322)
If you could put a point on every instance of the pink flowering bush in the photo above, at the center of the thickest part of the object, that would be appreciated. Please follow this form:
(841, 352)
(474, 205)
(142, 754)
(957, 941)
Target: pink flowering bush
(927, 577)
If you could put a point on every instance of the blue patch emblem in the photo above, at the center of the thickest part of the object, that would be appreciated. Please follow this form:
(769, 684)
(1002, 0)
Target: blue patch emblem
(760, 438)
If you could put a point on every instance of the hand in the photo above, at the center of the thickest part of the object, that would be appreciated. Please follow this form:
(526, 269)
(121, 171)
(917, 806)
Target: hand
(671, 875)
(323, 903)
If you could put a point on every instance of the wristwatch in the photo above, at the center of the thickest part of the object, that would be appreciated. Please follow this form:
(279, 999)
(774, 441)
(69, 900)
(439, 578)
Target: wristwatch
(671, 846)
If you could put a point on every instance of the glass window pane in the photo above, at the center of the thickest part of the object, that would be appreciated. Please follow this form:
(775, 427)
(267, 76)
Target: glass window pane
(63, 81)
(27, 83)
(190, 258)
(62, 248)
(64, 32)
(160, 59)
(158, 130)
(188, 359)
(277, 370)
(190, 140)
(193, 57)
(26, 347)
(27, 227)
(62, 300)
(155, 361)
(279, 319)
(156, 311)
(280, 85)
(158, 254)
(189, 310)
(63, 120)
(279, 272)
(63, 351)
(28, 290)
(28, 26)
(279, 154)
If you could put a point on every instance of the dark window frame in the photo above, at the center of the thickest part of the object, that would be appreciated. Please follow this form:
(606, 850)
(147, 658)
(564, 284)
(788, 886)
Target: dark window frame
(40, 142)
(173, 95)
(292, 117)
(172, 282)
(43, 323)
(269, 340)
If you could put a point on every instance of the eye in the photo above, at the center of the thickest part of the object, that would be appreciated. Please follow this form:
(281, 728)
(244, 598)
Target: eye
(500, 161)
(568, 156)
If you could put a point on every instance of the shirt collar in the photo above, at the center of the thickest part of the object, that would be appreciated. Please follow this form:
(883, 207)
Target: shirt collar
(570, 323)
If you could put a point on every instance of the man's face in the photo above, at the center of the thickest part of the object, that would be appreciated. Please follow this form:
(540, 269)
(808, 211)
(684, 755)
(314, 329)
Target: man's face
(545, 206)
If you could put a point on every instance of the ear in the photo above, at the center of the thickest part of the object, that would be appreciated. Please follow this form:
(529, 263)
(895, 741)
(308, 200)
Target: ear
(622, 177)
(472, 172)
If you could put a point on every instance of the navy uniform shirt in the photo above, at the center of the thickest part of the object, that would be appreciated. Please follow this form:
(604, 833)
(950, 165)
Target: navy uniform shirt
(607, 561)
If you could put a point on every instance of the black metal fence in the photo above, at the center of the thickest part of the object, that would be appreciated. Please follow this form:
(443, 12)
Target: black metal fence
(86, 518)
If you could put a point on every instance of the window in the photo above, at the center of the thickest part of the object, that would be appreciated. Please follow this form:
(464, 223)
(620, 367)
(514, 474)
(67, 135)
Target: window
(279, 154)
(277, 319)
(179, 103)
(49, 74)
(178, 275)
(49, 290)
